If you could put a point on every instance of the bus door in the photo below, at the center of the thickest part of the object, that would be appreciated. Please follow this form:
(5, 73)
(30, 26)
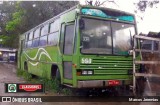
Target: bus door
(67, 38)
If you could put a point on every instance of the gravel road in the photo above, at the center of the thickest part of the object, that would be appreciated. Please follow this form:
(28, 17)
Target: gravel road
(8, 75)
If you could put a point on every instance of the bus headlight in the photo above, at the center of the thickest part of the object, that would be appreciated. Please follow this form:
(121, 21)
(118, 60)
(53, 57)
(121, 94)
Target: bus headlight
(90, 72)
(87, 72)
(84, 72)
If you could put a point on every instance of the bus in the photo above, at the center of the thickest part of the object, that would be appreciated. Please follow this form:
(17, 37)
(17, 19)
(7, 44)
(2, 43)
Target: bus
(84, 47)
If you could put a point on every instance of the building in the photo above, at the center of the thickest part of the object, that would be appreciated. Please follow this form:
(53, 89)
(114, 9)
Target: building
(7, 55)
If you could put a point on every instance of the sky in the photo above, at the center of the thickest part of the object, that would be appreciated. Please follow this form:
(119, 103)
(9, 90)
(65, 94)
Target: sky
(151, 17)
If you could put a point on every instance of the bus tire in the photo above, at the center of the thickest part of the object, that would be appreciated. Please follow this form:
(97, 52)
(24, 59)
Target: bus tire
(55, 74)
(57, 79)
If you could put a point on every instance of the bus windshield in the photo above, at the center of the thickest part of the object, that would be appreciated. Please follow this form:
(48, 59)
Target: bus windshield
(105, 37)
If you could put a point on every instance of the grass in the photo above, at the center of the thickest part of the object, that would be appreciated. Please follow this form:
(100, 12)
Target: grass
(50, 85)
(27, 76)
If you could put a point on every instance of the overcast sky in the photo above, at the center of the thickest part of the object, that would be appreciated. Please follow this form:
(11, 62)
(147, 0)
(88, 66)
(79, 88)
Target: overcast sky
(151, 17)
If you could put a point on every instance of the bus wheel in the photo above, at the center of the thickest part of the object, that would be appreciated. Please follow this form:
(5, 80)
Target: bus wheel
(55, 74)
(58, 81)
(25, 66)
(58, 78)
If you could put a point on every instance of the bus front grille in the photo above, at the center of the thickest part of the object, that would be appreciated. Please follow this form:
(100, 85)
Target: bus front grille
(102, 65)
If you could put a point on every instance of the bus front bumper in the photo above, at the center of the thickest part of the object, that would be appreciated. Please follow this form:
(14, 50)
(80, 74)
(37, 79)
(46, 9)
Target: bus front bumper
(101, 83)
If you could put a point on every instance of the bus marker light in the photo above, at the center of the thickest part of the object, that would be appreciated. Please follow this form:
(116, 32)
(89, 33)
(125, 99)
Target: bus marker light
(74, 65)
(113, 82)
(78, 73)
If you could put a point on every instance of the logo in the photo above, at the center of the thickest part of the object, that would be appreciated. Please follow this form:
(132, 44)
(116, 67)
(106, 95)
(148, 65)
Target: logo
(19, 87)
(30, 87)
(12, 87)
(6, 99)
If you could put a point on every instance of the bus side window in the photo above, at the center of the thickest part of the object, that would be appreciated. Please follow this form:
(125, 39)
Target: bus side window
(54, 26)
(27, 36)
(37, 33)
(44, 30)
(43, 41)
(29, 44)
(30, 36)
(35, 42)
(53, 38)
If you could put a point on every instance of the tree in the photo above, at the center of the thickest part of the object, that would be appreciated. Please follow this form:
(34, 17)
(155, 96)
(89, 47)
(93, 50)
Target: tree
(20, 17)
(40, 11)
(98, 2)
(16, 20)
(6, 10)
(142, 5)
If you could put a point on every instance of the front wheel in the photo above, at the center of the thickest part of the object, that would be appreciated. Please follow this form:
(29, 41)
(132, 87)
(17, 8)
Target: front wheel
(57, 80)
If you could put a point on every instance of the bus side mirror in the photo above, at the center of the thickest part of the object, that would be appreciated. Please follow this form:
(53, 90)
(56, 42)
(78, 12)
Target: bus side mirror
(81, 24)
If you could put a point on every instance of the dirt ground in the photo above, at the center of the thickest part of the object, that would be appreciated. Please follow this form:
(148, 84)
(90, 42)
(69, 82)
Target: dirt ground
(8, 75)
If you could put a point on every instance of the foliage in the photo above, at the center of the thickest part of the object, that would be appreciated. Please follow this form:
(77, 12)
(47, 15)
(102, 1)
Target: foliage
(98, 2)
(7, 40)
(16, 21)
(27, 76)
(4, 39)
(67, 91)
(21, 73)
(17, 17)
(142, 5)
(50, 85)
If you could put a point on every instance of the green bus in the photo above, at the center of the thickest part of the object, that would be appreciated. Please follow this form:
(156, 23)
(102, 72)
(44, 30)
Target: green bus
(85, 47)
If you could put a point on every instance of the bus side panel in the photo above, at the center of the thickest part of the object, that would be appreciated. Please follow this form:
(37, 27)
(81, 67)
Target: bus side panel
(50, 59)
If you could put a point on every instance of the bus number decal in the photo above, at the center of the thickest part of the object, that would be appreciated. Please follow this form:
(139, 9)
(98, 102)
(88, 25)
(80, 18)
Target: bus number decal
(86, 60)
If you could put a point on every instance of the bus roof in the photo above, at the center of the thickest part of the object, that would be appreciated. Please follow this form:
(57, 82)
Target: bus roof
(78, 7)
(52, 19)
